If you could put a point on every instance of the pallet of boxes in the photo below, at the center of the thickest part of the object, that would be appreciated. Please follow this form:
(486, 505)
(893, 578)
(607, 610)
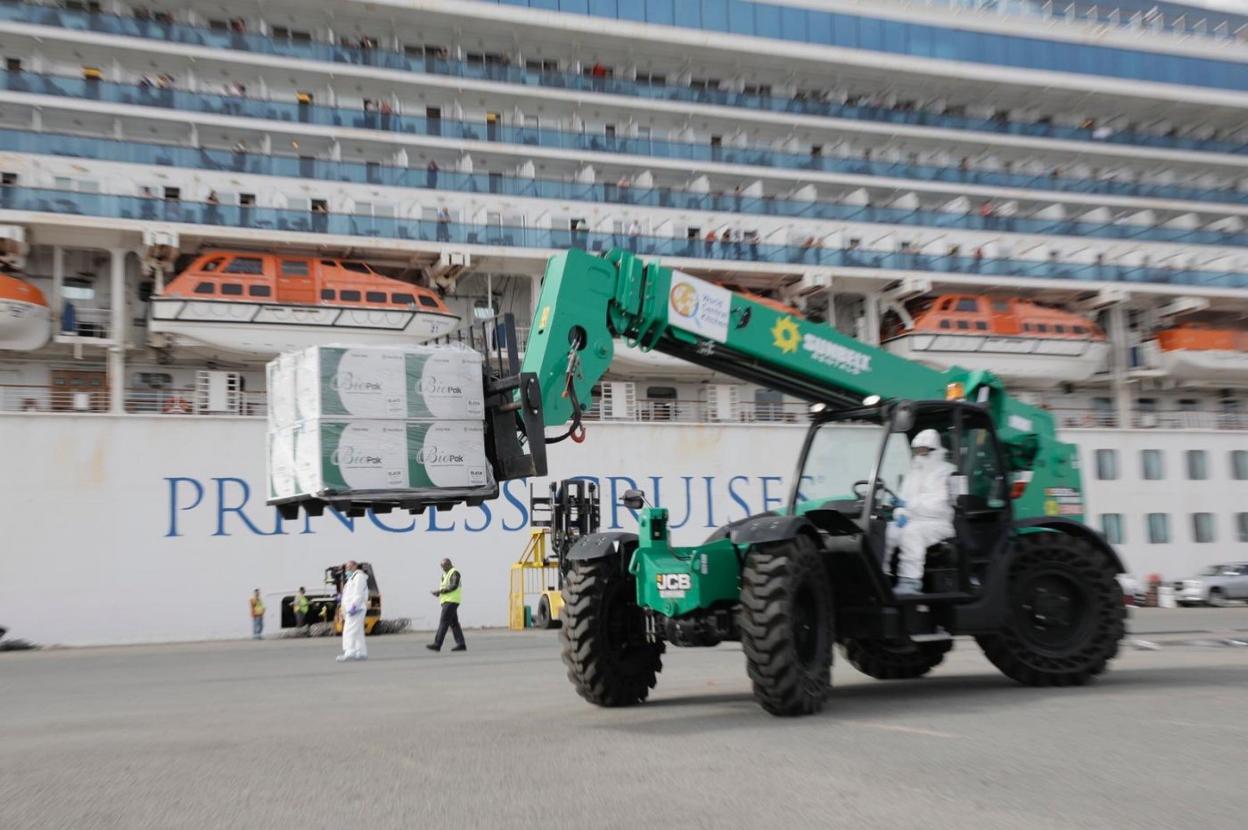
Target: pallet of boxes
(380, 428)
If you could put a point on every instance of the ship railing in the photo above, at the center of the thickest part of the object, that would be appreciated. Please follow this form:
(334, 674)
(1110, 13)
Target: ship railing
(664, 410)
(139, 400)
(1073, 418)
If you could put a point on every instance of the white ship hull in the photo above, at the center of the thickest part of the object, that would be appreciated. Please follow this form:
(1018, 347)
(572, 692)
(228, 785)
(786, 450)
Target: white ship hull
(260, 331)
(1030, 360)
(172, 509)
(24, 326)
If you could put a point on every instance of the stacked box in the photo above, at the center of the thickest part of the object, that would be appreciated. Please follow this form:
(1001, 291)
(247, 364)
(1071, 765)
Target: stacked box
(402, 423)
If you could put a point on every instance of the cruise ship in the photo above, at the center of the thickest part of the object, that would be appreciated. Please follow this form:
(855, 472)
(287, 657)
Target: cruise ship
(1057, 192)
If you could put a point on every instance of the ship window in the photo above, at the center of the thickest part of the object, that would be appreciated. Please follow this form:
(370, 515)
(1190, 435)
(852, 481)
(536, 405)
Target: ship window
(212, 265)
(78, 288)
(349, 296)
(327, 294)
(1197, 465)
(294, 268)
(981, 325)
(357, 267)
(428, 302)
(329, 262)
(964, 324)
(1107, 465)
(375, 296)
(1239, 465)
(1151, 465)
(1000, 306)
(259, 291)
(1079, 329)
(1158, 528)
(968, 305)
(1202, 528)
(1042, 327)
(946, 305)
(403, 299)
(245, 265)
(1241, 526)
(205, 288)
(1059, 328)
(944, 324)
(233, 289)
(1111, 526)
(1026, 326)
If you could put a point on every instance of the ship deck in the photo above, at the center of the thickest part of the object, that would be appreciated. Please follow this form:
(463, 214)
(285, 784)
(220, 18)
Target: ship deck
(275, 733)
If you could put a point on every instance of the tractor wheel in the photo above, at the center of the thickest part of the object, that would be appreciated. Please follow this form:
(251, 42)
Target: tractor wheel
(541, 619)
(787, 626)
(605, 650)
(895, 661)
(1065, 615)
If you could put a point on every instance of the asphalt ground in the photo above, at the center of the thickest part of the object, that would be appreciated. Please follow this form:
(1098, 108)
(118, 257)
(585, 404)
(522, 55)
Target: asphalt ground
(275, 734)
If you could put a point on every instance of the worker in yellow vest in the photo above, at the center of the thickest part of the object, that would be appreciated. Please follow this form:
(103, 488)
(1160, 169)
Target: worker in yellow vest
(257, 615)
(300, 607)
(449, 594)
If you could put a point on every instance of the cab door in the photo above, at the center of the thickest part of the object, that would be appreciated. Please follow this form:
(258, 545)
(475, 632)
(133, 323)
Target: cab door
(982, 517)
(296, 284)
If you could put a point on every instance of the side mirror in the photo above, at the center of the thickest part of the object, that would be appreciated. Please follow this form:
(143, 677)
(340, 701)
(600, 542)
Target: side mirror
(902, 416)
(634, 499)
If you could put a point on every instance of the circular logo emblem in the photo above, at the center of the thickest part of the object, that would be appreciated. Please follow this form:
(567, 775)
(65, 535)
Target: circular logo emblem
(684, 299)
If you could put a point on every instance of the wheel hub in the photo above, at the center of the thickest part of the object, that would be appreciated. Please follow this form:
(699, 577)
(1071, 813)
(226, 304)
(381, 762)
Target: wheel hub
(1053, 608)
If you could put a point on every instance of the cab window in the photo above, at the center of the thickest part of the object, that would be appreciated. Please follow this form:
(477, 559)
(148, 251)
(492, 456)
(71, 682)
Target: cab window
(232, 289)
(212, 265)
(245, 265)
(349, 296)
(968, 305)
(294, 268)
(375, 296)
(403, 299)
(429, 302)
(205, 288)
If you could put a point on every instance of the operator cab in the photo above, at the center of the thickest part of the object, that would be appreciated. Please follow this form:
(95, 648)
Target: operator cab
(853, 466)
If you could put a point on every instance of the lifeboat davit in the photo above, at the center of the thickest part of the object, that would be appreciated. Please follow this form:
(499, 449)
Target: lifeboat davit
(1196, 352)
(25, 319)
(257, 305)
(1017, 339)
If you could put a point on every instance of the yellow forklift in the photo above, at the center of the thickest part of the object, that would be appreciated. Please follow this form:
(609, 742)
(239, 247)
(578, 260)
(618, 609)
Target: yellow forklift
(571, 509)
(323, 605)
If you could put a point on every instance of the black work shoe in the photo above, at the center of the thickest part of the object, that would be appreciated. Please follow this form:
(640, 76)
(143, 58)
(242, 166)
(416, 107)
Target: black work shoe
(460, 648)
(432, 647)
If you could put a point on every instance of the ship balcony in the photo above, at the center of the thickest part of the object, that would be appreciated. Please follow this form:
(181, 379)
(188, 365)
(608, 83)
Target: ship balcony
(732, 148)
(435, 62)
(780, 248)
(73, 395)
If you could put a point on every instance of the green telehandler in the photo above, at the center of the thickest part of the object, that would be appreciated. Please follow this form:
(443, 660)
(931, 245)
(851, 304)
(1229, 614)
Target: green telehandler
(1022, 574)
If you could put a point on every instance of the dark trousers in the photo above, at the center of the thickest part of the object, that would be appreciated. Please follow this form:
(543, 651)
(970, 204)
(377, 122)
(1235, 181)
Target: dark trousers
(450, 619)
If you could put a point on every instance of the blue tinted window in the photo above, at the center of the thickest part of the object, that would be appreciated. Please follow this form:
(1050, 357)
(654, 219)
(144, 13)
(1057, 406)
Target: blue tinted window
(715, 15)
(793, 24)
(602, 8)
(660, 11)
(819, 27)
(767, 21)
(576, 6)
(688, 13)
(632, 10)
(741, 17)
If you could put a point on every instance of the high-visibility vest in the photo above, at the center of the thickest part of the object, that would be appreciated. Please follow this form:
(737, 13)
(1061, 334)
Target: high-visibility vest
(257, 607)
(301, 604)
(453, 596)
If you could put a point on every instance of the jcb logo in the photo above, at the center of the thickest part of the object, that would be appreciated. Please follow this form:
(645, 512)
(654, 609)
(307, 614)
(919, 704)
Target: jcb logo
(674, 582)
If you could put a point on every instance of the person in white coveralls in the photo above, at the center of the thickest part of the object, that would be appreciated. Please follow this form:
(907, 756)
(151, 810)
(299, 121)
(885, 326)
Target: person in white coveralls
(924, 513)
(354, 605)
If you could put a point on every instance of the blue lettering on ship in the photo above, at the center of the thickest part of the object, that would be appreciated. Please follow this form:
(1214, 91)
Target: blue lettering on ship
(231, 506)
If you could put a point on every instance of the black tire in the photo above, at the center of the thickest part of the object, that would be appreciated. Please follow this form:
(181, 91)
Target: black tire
(1216, 598)
(1066, 615)
(787, 626)
(895, 661)
(542, 618)
(604, 649)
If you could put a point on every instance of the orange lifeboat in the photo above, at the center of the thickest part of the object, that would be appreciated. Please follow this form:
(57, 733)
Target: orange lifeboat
(261, 304)
(1017, 339)
(25, 319)
(1200, 352)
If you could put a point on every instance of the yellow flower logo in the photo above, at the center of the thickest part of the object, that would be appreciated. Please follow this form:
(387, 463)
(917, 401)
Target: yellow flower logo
(786, 334)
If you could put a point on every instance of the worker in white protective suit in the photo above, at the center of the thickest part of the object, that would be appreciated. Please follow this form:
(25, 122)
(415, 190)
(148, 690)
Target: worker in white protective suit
(354, 605)
(924, 511)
